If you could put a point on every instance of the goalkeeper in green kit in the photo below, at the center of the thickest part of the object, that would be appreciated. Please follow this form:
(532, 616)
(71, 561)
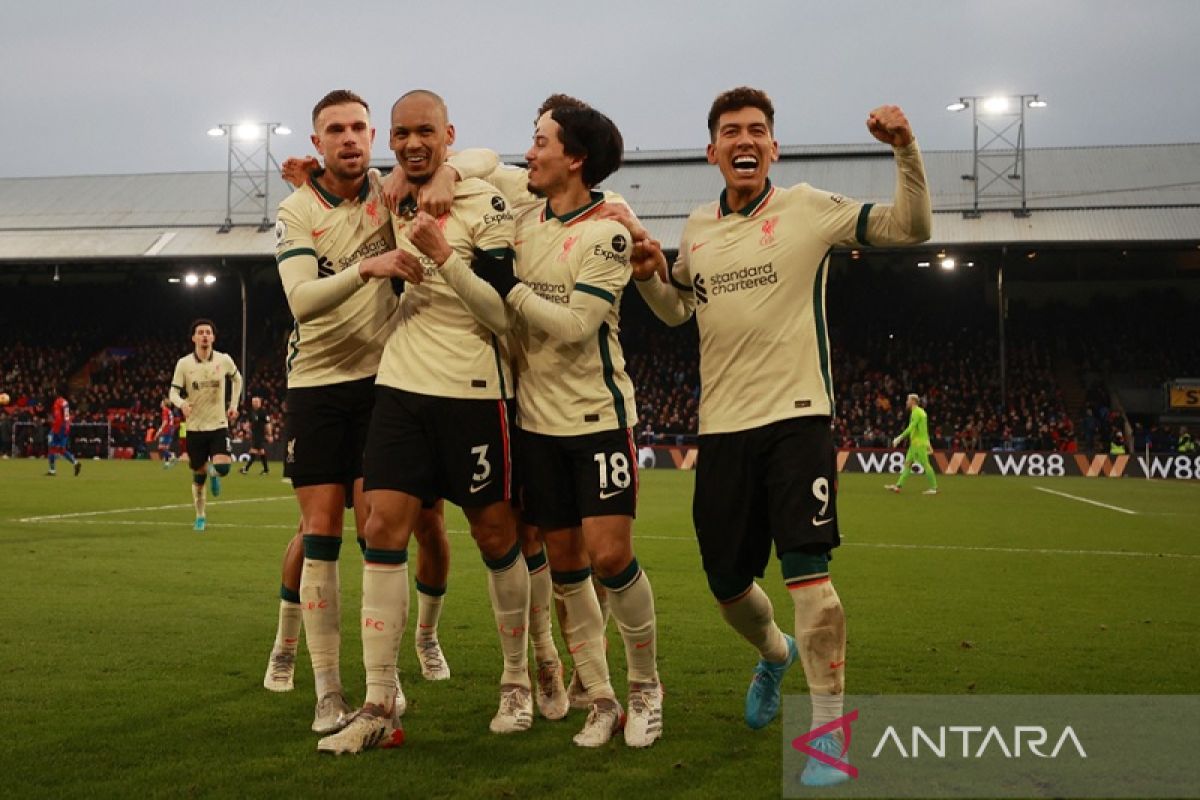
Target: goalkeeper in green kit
(917, 434)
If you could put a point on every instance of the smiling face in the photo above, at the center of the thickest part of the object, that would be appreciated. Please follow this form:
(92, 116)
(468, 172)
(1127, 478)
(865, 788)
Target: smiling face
(342, 134)
(548, 164)
(743, 147)
(420, 135)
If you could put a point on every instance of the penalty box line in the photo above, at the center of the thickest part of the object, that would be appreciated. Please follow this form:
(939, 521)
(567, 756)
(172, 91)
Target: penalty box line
(1085, 500)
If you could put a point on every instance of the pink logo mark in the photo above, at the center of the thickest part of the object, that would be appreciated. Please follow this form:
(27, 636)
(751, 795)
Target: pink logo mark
(801, 743)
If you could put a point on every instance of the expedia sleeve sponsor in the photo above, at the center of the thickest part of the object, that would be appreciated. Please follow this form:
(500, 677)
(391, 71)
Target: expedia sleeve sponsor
(605, 259)
(490, 220)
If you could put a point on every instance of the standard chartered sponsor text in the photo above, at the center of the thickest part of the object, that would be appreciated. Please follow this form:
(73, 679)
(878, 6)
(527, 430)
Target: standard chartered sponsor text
(745, 278)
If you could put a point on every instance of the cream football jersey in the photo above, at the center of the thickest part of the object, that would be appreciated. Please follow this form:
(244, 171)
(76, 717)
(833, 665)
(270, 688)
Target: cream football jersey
(203, 385)
(571, 388)
(320, 236)
(757, 278)
(438, 346)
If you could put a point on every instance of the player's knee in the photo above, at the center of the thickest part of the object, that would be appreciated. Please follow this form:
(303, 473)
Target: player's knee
(221, 469)
(609, 562)
(566, 551)
(727, 586)
(199, 478)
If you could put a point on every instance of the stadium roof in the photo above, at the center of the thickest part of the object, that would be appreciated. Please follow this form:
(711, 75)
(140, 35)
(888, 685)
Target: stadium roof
(1079, 195)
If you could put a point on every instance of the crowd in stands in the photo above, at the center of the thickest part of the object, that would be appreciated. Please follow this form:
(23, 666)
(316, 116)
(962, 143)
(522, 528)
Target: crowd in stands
(882, 349)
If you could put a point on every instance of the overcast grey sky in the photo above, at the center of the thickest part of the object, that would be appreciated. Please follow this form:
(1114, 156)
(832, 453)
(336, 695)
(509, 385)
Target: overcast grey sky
(131, 86)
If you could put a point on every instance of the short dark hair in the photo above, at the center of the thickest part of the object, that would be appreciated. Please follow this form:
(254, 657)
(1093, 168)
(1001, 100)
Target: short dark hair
(558, 100)
(196, 323)
(736, 99)
(336, 98)
(590, 135)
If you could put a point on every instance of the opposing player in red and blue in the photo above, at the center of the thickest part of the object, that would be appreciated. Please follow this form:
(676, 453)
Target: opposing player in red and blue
(60, 433)
(166, 435)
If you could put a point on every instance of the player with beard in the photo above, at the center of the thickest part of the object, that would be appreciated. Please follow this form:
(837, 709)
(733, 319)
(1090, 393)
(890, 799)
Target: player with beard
(335, 251)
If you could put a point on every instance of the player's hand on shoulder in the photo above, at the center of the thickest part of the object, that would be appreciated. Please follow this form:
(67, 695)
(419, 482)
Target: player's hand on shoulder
(426, 235)
(437, 195)
(648, 260)
(297, 170)
(889, 125)
(623, 214)
(394, 187)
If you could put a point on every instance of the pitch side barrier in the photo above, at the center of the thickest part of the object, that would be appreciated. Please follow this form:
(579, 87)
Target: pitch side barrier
(1030, 464)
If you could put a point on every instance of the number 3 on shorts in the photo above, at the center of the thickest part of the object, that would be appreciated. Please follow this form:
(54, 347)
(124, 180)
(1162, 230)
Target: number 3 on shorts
(484, 469)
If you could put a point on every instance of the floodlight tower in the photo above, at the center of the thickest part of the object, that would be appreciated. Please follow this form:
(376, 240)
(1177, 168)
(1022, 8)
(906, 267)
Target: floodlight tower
(248, 169)
(998, 150)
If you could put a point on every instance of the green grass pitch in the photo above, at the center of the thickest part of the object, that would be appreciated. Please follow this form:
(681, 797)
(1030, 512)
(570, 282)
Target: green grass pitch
(132, 649)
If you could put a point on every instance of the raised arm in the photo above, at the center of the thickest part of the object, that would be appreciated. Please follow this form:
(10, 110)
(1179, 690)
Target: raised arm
(908, 220)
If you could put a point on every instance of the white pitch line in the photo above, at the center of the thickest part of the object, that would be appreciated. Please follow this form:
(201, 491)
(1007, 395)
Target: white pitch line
(884, 545)
(49, 517)
(1038, 550)
(1085, 500)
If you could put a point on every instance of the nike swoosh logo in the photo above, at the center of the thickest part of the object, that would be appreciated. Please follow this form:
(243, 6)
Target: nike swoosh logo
(475, 489)
(835, 665)
(640, 645)
(819, 522)
(320, 233)
(576, 648)
(607, 495)
(698, 245)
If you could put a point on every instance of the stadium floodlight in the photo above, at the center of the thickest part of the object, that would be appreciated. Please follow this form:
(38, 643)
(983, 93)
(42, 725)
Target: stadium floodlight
(996, 105)
(948, 264)
(249, 166)
(998, 151)
(191, 279)
(210, 279)
(174, 279)
(249, 131)
(923, 264)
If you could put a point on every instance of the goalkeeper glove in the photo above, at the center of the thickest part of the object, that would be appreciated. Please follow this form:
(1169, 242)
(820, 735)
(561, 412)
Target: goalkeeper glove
(496, 270)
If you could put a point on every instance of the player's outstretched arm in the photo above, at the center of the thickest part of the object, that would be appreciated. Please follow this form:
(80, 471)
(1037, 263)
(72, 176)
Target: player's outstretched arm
(652, 276)
(908, 220)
